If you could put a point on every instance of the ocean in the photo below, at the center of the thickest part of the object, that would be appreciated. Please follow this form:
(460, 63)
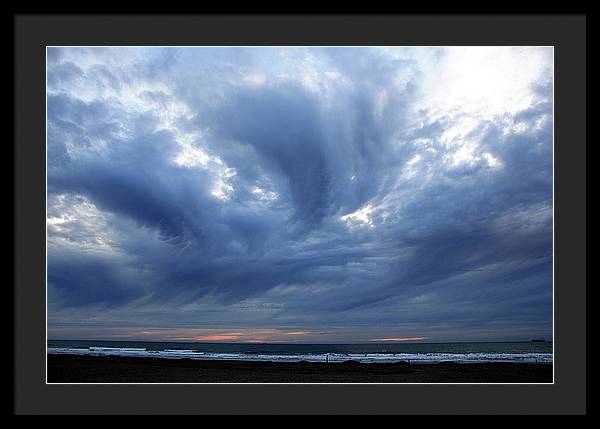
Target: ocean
(531, 352)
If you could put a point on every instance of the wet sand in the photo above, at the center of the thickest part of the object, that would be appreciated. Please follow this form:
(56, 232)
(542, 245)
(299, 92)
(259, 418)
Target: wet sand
(117, 369)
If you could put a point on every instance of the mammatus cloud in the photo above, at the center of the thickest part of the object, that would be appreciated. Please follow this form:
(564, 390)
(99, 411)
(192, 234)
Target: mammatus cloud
(300, 194)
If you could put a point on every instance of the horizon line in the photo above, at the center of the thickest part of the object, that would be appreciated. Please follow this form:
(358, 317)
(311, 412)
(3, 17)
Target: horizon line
(308, 343)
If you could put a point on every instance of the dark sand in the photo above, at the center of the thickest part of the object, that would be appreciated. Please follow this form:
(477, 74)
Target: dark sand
(116, 369)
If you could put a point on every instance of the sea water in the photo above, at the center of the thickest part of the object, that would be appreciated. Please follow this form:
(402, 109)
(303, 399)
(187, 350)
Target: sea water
(527, 352)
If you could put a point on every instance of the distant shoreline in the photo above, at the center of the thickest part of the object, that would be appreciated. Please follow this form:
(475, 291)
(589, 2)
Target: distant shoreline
(119, 369)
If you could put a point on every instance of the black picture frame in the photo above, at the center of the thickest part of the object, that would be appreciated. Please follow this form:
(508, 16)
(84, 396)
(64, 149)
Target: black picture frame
(32, 33)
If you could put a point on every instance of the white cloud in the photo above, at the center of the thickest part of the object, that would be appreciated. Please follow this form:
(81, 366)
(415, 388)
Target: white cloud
(359, 217)
(255, 79)
(76, 223)
(485, 81)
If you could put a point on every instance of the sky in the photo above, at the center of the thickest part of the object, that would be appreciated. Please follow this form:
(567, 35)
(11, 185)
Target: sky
(316, 195)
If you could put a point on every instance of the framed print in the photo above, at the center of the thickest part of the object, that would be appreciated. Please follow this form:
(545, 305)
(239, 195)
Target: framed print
(263, 223)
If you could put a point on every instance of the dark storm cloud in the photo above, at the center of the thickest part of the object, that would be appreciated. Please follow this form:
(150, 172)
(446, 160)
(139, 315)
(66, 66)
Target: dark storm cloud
(210, 188)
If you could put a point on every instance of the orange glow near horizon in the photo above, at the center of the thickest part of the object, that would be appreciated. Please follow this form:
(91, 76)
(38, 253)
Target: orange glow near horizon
(399, 339)
(260, 336)
(216, 337)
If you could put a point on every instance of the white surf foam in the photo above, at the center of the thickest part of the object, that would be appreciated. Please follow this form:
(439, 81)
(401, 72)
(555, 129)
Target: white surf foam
(331, 357)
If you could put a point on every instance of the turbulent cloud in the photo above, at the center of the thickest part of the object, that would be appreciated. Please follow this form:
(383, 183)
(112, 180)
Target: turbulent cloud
(300, 194)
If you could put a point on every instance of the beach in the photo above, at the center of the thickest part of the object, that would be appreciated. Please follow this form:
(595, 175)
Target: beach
(119, 369)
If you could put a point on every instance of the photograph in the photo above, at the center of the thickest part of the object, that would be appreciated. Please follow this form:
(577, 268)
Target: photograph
(299, 214)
